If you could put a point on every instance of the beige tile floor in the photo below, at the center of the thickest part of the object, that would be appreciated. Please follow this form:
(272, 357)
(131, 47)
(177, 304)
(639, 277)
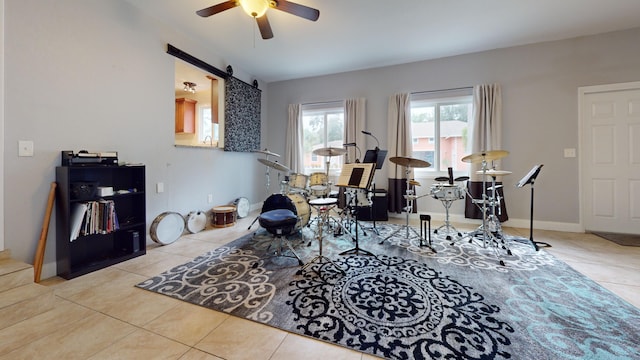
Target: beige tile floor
(103, 316)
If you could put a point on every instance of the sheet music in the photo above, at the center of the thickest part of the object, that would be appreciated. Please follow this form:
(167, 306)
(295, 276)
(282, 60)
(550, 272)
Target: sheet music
(356, 175)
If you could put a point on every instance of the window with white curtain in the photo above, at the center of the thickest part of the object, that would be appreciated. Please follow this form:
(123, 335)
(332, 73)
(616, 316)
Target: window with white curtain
(440, 126)
(322, 127)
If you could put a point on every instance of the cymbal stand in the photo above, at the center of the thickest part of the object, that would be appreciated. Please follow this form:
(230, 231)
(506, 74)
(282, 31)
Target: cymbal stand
(411, 198)
(489, 236)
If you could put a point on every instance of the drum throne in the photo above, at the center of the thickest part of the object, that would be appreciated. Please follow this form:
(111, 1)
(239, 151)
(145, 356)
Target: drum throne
(280, 223)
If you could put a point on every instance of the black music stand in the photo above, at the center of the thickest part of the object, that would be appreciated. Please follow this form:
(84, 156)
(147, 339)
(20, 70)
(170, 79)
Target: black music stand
(375, 156)
(530, 178)
(356, 176)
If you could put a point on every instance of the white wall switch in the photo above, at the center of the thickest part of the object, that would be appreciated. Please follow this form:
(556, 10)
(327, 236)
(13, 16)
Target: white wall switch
(25, 148)
(159, 187)
(210, 198)
(570, 153)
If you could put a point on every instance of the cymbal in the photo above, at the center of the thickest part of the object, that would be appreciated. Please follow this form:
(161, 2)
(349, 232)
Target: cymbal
(330, 151)
(409, 162)
(414, 182)
(266, 152)
(492, 172)
(485, 155)
(274, 165)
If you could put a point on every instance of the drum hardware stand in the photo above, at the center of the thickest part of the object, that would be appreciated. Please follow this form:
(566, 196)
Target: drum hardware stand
(373, 220)
(323, 214)
(356, 250)
(447, 224)
(489, 236)
(411, 198)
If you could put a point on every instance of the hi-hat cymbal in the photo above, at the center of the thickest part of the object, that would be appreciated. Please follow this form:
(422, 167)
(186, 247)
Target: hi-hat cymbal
(266, 152)
(414, 183)
(492, 172)
(330, 151)
(485, 155)
(274, 165)
(409, 162)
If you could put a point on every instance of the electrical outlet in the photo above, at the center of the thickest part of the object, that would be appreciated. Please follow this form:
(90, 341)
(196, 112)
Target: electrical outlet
(210, 198)
(25, 148)
(570, 153)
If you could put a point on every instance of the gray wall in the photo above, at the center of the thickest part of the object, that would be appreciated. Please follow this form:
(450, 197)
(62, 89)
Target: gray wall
(95, 75)
(540, 111)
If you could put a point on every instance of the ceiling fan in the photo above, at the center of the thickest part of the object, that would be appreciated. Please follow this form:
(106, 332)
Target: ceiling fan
(258, 10)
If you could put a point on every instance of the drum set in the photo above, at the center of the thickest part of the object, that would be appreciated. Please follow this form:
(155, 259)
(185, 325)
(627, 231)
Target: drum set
(301, 193)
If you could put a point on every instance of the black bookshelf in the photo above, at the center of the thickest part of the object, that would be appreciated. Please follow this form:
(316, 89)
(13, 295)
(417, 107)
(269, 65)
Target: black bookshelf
(86, 253)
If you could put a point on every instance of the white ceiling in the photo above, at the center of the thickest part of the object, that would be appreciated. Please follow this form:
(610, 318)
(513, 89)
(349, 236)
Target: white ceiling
(360, 34)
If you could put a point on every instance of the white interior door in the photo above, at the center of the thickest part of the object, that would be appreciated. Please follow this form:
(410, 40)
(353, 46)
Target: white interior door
(610, 175)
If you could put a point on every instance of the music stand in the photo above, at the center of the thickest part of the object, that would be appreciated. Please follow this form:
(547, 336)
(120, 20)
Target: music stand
(377, 157)
(356, 176)
(530, 178)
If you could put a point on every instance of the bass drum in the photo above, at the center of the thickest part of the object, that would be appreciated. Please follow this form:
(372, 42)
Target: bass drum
(294, 202)
(196, 221)
(242, 207)
(167, 228)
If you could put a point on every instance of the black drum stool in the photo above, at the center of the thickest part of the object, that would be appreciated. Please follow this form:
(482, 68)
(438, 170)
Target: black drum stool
(280, 223)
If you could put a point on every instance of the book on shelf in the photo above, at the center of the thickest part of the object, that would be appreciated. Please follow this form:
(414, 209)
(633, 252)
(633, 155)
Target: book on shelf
(93, 217)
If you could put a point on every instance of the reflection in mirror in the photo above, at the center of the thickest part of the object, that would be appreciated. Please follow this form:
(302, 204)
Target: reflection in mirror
(199, 97)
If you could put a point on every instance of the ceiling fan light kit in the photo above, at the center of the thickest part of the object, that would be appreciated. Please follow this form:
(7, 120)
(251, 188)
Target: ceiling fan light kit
(254, 8)
(257, 9)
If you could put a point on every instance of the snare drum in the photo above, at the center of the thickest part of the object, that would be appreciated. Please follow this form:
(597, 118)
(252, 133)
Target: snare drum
(446, 192)
(298, 181)
(167, 228)
(223, 216)
(294, 202)
(319, 184)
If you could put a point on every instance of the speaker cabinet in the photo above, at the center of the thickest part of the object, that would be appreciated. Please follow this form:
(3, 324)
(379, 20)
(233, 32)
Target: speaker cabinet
(378, 210)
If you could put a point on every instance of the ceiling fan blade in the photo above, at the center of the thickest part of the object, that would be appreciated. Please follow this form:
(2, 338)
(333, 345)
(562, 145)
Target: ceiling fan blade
(212, 10)
(265, 27)
(297, 9)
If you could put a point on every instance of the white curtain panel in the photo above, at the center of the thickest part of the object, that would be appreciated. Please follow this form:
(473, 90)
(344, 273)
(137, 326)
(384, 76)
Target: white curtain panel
(399, 140)
(355, 122)
(399, 132)
(293, 143)
(487, 124)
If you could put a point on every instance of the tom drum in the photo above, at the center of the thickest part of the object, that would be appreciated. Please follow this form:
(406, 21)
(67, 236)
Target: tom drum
(319, 184)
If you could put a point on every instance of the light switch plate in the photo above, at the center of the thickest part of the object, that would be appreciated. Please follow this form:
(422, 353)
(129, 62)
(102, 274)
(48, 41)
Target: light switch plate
(25, 148)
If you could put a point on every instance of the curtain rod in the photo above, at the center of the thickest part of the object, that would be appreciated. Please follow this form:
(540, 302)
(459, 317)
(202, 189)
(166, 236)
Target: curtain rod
(322, 102)
(441, 90)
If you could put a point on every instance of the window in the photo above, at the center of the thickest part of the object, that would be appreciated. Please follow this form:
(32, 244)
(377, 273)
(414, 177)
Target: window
(322, 126)
(440, 130)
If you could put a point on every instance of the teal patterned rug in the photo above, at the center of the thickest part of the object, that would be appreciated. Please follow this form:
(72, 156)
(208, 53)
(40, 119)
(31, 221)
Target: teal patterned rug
(410, 302)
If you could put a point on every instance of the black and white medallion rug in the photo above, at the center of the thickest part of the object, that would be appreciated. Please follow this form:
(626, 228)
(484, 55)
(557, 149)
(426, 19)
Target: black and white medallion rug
(409, 302)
